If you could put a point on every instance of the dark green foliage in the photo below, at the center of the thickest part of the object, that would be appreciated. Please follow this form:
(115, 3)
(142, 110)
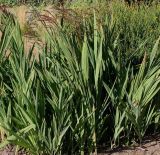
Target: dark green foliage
(81, 91)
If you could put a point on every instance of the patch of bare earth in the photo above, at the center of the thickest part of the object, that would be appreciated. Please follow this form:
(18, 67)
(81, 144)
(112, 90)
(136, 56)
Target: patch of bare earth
(11, 150)
(150, 146)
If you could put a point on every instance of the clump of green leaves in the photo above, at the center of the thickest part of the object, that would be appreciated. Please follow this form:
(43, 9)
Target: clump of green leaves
(81, 92)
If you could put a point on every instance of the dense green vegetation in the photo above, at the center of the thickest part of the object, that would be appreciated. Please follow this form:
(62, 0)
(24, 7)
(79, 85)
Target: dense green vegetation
(39, 2)
(93, 85)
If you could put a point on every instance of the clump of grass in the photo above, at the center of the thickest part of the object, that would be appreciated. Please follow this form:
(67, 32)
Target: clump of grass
(82, 91)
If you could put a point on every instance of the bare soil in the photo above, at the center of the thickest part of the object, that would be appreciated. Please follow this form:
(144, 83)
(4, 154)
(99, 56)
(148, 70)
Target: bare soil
(150, 146)
(11, 150)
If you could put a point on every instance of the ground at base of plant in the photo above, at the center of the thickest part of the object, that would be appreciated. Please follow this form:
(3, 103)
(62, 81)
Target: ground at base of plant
(150, 146)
